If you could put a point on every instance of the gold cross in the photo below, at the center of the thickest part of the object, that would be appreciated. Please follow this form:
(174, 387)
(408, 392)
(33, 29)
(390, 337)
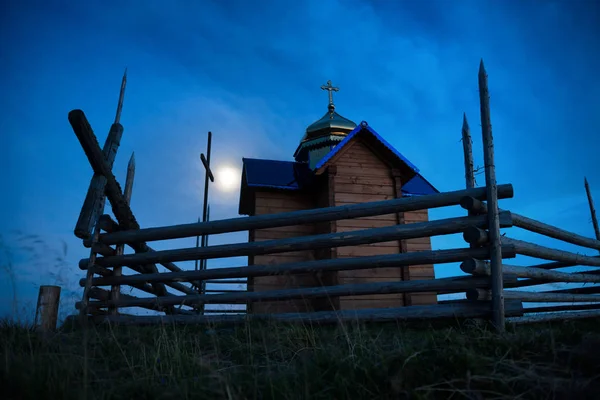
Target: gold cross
(330, 89)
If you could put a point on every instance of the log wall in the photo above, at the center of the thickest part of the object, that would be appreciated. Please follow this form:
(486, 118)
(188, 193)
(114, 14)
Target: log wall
(271, 202)
(361, 177)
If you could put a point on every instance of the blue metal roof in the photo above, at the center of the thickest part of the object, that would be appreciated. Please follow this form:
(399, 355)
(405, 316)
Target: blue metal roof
(364, 127)
(288, 175)
(418, 186)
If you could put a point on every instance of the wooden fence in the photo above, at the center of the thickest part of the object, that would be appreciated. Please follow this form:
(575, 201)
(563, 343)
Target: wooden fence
(489, 285)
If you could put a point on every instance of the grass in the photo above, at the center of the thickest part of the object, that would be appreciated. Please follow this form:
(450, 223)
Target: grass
(267, 361)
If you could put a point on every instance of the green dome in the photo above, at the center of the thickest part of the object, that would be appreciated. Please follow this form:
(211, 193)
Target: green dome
(331, 122)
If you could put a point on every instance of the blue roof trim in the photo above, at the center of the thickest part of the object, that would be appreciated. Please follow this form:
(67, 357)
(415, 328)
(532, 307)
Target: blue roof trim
(418, 186)
(359, 128)
(287, 175)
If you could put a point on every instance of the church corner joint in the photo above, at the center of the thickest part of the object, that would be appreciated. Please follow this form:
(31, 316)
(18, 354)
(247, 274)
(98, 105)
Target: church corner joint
(340, 233)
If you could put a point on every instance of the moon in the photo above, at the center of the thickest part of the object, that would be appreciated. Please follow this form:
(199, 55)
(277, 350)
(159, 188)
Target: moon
(227, 178)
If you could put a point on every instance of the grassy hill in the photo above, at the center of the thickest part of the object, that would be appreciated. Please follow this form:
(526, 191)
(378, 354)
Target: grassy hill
(267, 361)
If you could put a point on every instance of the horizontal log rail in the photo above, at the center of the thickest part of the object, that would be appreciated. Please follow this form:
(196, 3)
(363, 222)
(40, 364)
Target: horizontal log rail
(569, 307)
(104, 295)
(230, 282)
(534, 250)
(483, 268)
(107, 224)
(475, 294)
(326, 214)
(561, 316)
(427, 312)
(327, 265)
(476, 206)
(595, 289)
(426, 285)
(314, 242)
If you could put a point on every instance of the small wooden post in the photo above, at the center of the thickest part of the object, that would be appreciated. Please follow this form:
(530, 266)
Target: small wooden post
(592, 209)
(46, 313)
(492, 203)
(115, 290)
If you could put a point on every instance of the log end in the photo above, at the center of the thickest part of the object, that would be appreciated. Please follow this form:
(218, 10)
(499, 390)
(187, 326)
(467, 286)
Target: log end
(476, 236)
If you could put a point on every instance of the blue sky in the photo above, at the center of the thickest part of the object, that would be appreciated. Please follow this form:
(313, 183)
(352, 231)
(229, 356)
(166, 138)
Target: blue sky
(250, 72)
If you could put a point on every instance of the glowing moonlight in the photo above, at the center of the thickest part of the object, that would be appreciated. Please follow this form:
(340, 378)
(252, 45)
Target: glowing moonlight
(227, 179)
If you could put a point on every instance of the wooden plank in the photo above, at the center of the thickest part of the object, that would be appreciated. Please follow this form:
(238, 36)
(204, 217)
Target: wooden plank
(419, 299)
(359, 251)
(382, 175)
(364, 224)
(391, 218)
(271, 259)
(387, 274)
(375, 189)
(284, 203)
(278, 195)
(361, 198)
(422, 272)
(261, 235)
(362, 181)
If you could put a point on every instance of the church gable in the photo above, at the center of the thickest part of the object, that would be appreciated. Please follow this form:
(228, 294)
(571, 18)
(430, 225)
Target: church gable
(374, 147)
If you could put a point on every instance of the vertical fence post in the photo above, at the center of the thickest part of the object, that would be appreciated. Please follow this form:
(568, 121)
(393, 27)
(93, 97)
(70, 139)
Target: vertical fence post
(468, 153)
(46, 312)
(492, 203)
(115, 290)
(592, 209)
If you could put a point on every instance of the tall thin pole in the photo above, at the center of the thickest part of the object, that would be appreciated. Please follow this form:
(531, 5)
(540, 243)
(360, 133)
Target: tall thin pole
(208, 176)
(492, 203)
(592, 209)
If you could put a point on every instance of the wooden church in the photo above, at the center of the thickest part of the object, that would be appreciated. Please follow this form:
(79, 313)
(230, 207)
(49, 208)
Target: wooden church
(336, 163)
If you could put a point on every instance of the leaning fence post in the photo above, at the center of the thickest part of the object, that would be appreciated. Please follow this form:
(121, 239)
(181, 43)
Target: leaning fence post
(592, 208)
(115, 290)
(492, 203)
(46, 312)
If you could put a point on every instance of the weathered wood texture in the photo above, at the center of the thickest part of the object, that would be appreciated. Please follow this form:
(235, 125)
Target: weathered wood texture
(402, 244)
(398, 232)
(468, 153)
(480, 267)
(105, 296)
(120, 208)
(427, 312)
(306, 216)
(90, 146)
(91, 208)
(358, 290)
(569, 307)
(357, 263)
(356, 168)
(592, 209)
(485, 295)
(46, 312)
(267, 202)
(534, 250)
(492, 196)
(115, 290)
(107, 224)
(563, 316)
(532, 225)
